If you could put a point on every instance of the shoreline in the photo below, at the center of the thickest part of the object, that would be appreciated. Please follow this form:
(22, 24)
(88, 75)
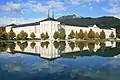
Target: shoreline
(72, 40)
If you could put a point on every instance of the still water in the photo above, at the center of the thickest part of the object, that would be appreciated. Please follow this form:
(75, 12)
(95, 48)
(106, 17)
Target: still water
(59, 60)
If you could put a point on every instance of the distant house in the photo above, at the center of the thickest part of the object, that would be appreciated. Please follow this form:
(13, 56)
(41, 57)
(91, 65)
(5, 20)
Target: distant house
(50, 25)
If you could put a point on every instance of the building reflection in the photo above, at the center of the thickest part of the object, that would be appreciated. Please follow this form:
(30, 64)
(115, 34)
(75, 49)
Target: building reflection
(56, 49)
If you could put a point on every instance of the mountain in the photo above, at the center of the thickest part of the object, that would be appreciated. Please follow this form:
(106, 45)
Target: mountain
(103, 22)
(117, 16)
(73, 16)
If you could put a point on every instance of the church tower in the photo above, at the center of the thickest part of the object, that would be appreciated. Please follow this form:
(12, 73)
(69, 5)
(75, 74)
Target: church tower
(53, 15)
(48, 13)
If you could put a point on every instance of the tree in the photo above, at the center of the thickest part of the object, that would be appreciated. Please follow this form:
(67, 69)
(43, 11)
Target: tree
(102, 35)
(81, 34)
(91, 46)
(32, 35)
(2, 29)
(32, 45)
(62, 46)
(56, 35)
(71, 35)
(56, 44)
(76, 35)
(118, 33)
(72, 45)
(12, 46)
(62, 35)
(81, 45)
(42, 36)
(46, 44)
(22, 35)
(11, 34)
(46, 36)
(91, 34)
(111, 35)
(85, 35)
(102, 46)
(4, 35)
(97, 35)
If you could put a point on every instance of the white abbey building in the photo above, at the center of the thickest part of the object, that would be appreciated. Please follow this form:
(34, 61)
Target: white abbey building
(50, 25)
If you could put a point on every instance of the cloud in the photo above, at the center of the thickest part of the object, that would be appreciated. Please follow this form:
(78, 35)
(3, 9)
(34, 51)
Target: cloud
(56, 5)
(29, 6)
(10, 20)
(112, 9)
(34, 6)
(80, 2)
(114, 6)
(11, 7)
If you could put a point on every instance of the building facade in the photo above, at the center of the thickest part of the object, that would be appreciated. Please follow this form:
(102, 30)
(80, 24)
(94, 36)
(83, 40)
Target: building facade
(50, 25)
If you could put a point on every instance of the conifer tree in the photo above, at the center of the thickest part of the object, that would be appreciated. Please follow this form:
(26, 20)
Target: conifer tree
(97, 35)
(76, 35)
(81, 34)
(91, 34)
(111, 35)
(71, 35)
(46, 36)
(85, 35)
(11, 34)
(32, 35)
(102, 35)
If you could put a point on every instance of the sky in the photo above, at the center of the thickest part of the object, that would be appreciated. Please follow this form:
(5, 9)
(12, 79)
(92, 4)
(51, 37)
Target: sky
(26, 11)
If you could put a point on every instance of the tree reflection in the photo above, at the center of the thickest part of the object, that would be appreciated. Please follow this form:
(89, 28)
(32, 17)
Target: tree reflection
(72, 45)
(62, 45)
(42, 44)
(22, 45)
(111, 42)
(12, 46)
(81, 45)
(96, 42)
(45, 44)
(32, 45)
(102, 46)
(3, 46)
(56, 44)
(91, 46)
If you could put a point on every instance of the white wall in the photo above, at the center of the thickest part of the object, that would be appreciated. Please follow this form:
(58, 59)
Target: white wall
(51, 26)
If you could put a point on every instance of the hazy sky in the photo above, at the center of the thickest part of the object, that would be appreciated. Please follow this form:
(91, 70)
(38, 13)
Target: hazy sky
(21, 11)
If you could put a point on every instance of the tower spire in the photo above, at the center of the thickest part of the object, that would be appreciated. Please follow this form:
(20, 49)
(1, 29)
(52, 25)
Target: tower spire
(53, 15)
(48, 13)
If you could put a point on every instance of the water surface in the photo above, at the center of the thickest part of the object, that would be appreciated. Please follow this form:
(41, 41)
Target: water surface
(63, 60)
